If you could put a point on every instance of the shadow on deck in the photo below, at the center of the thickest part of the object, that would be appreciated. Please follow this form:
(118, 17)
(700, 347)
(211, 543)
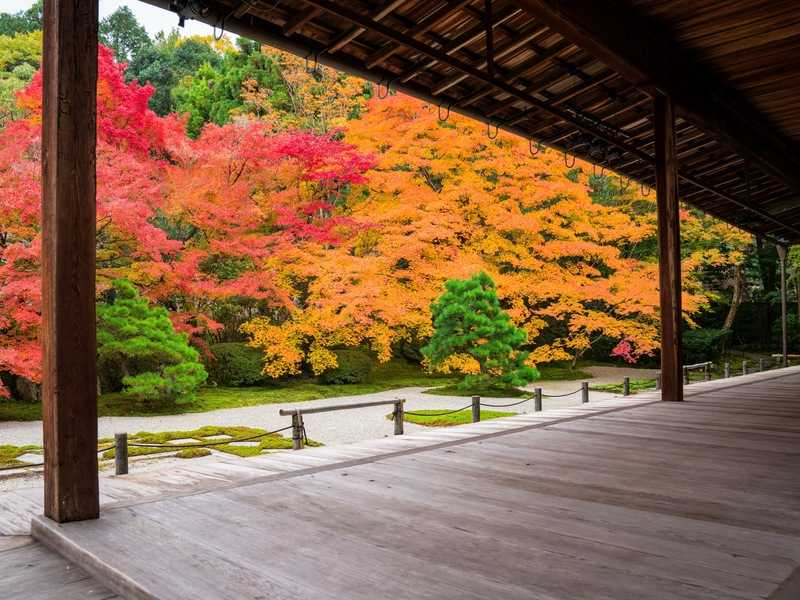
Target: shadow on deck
(621, 499)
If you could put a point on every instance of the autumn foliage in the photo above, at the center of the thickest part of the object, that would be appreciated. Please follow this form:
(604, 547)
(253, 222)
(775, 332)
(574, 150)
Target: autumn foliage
(341, 234)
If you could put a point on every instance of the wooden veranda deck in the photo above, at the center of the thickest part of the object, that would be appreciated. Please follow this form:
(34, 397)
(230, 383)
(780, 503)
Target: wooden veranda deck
(646, 500)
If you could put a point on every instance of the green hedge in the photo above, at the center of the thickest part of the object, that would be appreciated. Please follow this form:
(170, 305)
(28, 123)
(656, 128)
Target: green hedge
(235, 364)
(355, 366)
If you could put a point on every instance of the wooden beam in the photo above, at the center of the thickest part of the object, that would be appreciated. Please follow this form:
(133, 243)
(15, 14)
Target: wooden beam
(69, 389)
(640, 50)
(669, 249)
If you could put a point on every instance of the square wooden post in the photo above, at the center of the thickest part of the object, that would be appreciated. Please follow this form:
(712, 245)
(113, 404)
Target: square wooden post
(69, 385)
(669, 249)
(784, 328)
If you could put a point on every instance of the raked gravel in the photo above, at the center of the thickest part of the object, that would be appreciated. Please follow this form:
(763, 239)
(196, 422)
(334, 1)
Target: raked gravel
(338, 427)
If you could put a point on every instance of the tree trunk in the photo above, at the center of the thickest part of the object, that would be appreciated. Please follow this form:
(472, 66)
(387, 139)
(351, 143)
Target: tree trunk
(736, 296)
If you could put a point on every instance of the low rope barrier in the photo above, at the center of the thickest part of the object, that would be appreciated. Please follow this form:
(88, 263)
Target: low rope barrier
(442, 414)
(505, 405)
(562, 395)
(23, 466)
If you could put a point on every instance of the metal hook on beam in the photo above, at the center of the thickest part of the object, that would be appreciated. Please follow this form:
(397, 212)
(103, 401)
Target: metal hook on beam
(574, 158)
(489, 130)
(446, 116)
(531, 145)
(388, 89)
(649, 189)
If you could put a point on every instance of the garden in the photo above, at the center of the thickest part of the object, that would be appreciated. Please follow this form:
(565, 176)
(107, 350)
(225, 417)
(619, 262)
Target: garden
(270, 233)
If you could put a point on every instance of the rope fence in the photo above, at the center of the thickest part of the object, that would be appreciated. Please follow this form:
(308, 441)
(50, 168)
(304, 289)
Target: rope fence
(300, 437)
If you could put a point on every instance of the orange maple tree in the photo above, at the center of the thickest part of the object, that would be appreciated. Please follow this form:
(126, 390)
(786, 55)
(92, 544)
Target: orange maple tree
(445, 201)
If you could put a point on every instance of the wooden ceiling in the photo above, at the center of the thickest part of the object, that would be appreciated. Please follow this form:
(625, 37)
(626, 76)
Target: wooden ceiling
(579, 76)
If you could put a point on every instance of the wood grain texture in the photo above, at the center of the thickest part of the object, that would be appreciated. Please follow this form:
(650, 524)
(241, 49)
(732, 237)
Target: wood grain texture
(33, 572)
(669, 249)
(69, 380)
(594, 505)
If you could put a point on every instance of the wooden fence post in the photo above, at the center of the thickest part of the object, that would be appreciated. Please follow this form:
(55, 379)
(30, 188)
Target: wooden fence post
(707, 372)
(121, 453)
(762, 366)
(584, 392)
(399, 416)
(727, 370)
(476, 409)
(297, 431)
(658, 381)
(537, 400)
(685, 376)
(744, 367)
(626, 386)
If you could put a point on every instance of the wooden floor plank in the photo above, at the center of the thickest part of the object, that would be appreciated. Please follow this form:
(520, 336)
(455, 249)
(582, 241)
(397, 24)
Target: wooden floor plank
(693, 500)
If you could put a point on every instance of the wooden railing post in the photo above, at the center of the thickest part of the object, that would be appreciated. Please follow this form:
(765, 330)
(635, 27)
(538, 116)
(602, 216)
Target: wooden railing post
(707, 372)
(727, 370)
(584, 392)
(398, 417)
(626, 386)
(784, 329)
(121, 453)
(744, 367)
(685, 376)
(297, 431)
(537, 400)
(658, 381)
(476, 409)
(762, 366)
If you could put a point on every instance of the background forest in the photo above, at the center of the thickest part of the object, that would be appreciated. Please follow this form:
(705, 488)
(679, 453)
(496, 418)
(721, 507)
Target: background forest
(267, 219)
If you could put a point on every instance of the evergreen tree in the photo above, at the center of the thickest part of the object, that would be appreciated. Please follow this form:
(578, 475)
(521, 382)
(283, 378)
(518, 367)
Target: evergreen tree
(23, 21)
(469, 322)
(121, 32)
(140, 351)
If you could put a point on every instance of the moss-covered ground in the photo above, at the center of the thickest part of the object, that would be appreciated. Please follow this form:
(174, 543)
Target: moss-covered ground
(432, 418)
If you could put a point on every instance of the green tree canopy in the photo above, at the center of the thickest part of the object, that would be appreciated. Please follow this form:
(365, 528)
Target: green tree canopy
(139, 350)
(121, 32)
(167, 61)
(23, 21)
(469, 322)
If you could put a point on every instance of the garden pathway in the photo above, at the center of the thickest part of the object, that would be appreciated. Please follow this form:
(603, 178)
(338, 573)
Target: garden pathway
(342, 427)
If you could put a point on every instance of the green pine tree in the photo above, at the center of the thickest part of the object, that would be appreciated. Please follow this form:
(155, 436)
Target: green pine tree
(139, 351)
(468, 320)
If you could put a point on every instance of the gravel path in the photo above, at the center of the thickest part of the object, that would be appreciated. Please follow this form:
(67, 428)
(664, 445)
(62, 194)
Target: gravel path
(341, 427)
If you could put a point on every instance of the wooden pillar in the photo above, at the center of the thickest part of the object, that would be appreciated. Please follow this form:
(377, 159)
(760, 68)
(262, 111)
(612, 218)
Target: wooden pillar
(784, 330)
(69, 386)
(669, 249)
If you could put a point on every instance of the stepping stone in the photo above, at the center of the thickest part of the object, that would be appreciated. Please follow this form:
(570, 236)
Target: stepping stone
(31, 458)
(217, 438)
(252, 444)
(184, 441)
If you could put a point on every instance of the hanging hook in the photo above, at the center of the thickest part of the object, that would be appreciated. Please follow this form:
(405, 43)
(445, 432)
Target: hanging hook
(648, 190)
(447, 116)
(624, 188)
(574, 158)
(387, 86)
(531, 145)
(489, 130)
(316, 61)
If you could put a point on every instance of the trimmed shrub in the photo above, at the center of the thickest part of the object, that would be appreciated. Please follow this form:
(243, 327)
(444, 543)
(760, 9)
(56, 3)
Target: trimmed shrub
(235, 364)
(700, 345)
(354, 366)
